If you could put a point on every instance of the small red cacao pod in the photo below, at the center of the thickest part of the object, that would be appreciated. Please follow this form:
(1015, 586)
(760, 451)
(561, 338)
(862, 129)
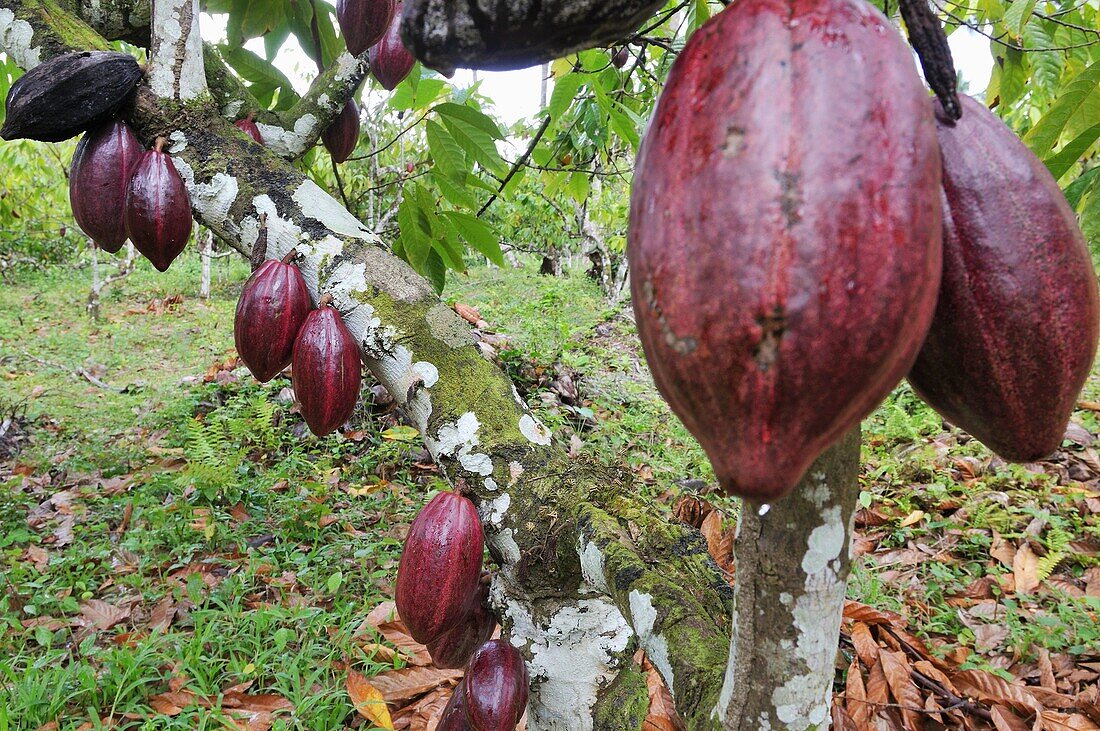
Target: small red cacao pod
(776, 318)
(99, 177)
(364, 22)
(1015, 331)
(453, 717)
(496, 687)
(390, 61)
(440, 566)
(453, 648)
(327, 371)
(273, 305)
(248, 126)
(158, 209)
(343, 134)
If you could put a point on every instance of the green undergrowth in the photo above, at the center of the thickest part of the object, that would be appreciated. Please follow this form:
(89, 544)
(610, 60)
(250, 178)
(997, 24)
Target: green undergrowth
(186, 486)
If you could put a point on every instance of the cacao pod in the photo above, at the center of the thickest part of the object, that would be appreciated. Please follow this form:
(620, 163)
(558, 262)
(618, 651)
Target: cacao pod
(496, 687)
(273, 305)
(510, 35)
(364, 22)
(1015, 331)
(453, 648)
(343, 134)
(784, 238)
(70, 93)
(327, 370)
(158, 208)
(453, 717)
(248, 126)
(620, 58)
(99, 178)
(390, 61)
(440, 566)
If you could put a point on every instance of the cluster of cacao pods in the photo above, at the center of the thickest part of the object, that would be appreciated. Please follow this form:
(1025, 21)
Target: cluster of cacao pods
(276, 326)
(492, 694)
(375, 26)
(841, 255)
(117, 189)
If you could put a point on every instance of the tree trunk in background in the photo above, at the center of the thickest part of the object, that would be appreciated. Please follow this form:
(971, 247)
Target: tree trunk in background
(97, 284)
(793, 561)
(206, 248)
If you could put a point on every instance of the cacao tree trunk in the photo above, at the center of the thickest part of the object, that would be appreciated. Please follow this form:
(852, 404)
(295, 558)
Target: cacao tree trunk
(206, 248)
(589, 571)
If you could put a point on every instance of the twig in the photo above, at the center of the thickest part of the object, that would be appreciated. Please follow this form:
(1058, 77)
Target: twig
(80, 372)
(519, 163)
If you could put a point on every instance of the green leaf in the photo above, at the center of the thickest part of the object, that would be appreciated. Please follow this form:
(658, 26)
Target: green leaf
(476, 142)
(445, 151)
(472, 117)
(436, 271)
(565, 90)
(477, 234)
(1079, 98)
(453, 190)
(449, 247)
(1063, 161)
(1079, 188)
(335, 582)
(1017, 16)
(1014, 75)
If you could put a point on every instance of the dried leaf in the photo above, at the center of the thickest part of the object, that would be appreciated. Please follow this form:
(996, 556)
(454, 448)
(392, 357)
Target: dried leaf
(855, 693)
(662, 709)
(399, 686)
(101, 615)
(841, 720)
(712, 531)
(866, 647)
(1002, 550)
(862, 613)
(1025, 569)
(1006, 720)
(898, 676)
(163, 614)
(989, 687)
(368, 701)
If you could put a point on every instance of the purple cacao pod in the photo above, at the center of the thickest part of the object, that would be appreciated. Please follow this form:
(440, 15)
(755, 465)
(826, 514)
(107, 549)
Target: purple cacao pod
(390, 61)
(620, 58)
(248, 126)
(273, 305)
(453, 648)
(327, 370)
(158, 208)
(496, 687)
(453, 717)
(1015, 330)
(364, 22)
(440, 566)
(342, 135)
(775, 319)
(100, 175)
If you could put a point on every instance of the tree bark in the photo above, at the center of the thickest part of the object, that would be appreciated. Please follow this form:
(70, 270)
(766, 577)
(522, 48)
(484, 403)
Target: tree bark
(793, 561)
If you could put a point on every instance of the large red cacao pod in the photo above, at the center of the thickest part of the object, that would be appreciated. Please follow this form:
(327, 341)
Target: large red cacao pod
(158, 209)
(453, 717)
(364, 22)
(99, 177)
(784, 239)
(390, 61)
(496, 687)
(1015, 331)
(453, 648)
(274, 304)
(248, 126)
(327, 371)
(343, 134)
(440, 566)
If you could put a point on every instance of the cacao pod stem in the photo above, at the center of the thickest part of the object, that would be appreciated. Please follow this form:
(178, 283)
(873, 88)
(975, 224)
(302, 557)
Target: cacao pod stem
(928, 39)
(259, 251)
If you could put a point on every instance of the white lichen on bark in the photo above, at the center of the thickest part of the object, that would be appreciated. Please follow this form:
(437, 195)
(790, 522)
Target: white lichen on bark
(17, 39)
(176, 69)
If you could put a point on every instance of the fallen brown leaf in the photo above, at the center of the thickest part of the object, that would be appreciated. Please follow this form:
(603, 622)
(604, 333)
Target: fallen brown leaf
(368, 700)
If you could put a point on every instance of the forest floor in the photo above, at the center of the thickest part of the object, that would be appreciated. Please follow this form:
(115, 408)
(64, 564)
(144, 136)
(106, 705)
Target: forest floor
(176, 552)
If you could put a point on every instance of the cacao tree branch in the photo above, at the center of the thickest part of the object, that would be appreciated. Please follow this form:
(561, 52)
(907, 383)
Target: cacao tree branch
(927, 37)
(533, 499)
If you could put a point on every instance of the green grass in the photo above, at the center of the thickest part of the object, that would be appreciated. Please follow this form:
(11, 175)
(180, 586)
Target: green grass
(272, 545)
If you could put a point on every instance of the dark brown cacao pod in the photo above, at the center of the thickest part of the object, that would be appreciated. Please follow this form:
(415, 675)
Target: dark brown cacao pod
(390, 61)
(327, 371)
(342, 135)
(70, 93)
(248, 126)
(271, 310)
(364, 22)
(1015, 331)
(453, 717)
(620, 58)
(453, 648)
(509, 35)
(496, 687)
(440, 566)
(784, 238)
(99, 178)
(158, 209)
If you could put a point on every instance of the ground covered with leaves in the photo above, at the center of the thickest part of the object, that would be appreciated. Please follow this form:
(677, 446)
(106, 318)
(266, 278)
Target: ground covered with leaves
(177, 552)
